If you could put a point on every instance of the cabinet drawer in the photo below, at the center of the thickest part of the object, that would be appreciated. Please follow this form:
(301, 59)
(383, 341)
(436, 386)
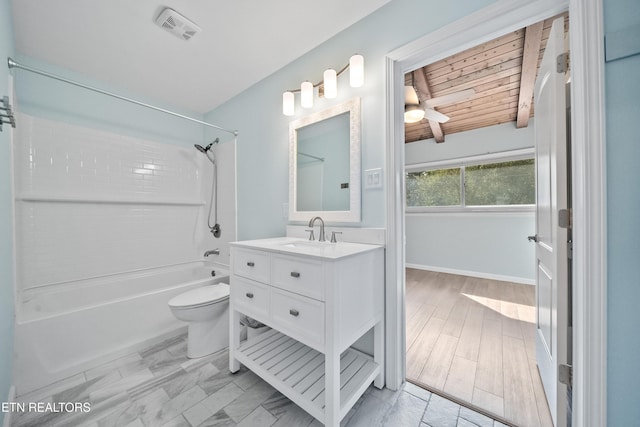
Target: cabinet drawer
(251, 264)
(300, 275)
(300, 317)
(250, 297)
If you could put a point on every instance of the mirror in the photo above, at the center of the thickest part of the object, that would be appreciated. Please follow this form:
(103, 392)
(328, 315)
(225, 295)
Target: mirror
(324, 164)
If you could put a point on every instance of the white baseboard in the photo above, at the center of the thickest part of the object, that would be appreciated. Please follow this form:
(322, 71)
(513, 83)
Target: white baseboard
(479, 274)
(6, 422)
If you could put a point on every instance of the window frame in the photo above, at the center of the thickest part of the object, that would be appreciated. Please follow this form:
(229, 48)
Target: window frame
(462, 163)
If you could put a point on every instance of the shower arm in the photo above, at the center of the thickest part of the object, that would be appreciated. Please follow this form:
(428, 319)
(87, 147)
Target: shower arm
(13, 64)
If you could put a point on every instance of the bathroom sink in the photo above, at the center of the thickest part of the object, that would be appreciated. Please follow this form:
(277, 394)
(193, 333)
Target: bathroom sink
(306, 244)
(298, 246)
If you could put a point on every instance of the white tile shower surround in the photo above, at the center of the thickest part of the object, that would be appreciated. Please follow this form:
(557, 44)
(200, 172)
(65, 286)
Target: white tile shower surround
(94, 206)
(85, 196)
(159, 386)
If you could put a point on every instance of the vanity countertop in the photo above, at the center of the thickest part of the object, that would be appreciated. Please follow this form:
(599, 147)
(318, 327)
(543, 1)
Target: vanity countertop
(297, 246)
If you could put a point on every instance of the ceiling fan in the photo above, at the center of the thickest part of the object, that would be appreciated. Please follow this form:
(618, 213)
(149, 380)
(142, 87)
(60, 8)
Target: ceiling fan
(414, 111)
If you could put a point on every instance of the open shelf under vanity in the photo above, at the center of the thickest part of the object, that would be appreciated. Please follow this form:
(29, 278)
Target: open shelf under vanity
(298, 371)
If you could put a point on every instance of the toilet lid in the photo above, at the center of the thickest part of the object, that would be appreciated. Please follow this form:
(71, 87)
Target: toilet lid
(201, 296)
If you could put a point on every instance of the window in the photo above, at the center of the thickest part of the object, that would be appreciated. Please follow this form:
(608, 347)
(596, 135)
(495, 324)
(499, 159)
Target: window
(440, 187)
(491, 183)
(506, 183)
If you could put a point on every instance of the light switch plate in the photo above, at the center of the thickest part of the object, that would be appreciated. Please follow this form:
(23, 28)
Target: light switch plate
(373, 178)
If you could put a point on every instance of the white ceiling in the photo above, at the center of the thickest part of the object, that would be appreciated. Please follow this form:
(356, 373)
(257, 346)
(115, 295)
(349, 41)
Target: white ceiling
(242, 41)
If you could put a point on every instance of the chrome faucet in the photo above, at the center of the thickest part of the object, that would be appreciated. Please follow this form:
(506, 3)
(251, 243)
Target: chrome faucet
(212, 252)
(312, 223)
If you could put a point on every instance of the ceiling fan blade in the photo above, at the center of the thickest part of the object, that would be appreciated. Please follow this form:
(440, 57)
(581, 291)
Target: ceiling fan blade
(410, 96)
(436, 116)
(451, 98)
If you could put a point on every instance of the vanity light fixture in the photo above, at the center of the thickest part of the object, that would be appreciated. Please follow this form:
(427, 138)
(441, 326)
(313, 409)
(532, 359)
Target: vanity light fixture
(306, 94)
(287, 103)
(330, 83)
(356, 75)
(328, 87)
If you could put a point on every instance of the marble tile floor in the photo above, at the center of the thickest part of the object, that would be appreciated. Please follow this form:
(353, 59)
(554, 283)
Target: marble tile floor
(159, 386)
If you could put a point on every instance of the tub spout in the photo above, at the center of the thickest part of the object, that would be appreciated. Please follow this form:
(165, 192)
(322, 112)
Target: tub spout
(212, 252)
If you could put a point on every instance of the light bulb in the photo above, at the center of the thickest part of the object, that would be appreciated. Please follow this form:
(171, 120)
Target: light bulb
(330, 83)
(413, 113)
(288, 104)
(356, 70)
(306, 94)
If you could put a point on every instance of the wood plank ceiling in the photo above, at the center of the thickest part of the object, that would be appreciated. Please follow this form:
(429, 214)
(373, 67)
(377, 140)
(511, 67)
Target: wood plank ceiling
(502, 74)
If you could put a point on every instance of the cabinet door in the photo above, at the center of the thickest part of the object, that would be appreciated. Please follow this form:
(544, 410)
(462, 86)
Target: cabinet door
(250, 264)
(299, 317)
(251, 298)
(300, 275)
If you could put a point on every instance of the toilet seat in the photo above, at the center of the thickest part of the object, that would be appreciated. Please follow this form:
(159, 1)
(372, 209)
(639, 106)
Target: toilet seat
(199, 297)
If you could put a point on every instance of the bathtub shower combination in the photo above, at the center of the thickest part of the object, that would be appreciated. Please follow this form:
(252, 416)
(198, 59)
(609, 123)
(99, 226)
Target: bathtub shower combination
(70, 329)
(109, 229)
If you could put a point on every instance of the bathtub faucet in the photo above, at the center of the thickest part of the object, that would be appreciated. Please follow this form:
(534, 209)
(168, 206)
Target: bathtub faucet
(212, 252)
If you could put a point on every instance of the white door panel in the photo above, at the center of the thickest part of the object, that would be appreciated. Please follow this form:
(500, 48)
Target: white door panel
(551, 245)
(545, 287)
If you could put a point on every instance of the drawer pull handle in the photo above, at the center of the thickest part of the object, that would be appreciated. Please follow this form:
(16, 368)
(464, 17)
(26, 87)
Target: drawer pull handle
(294, 312)
(251, 263)
(295, 274)
(249, 294)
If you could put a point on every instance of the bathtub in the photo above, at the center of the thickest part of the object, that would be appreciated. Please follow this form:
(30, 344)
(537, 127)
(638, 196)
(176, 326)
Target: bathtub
(64, 329)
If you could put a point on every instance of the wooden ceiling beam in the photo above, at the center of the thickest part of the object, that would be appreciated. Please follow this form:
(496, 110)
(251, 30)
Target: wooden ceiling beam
(530, 56)
(424, 94)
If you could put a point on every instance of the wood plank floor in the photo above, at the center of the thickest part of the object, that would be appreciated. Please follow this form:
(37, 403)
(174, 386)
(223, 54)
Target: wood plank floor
(474, 339)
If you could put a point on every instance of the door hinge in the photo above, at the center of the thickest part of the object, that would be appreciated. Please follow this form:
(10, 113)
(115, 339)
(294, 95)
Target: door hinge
(565, 374)
(562, 63)
(564, 218)
(570, 249)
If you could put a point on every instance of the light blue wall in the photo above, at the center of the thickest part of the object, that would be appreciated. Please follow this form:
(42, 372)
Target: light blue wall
(488, 140)
(6, 221)
(263, 161)
(44, 97)
(623, 224)
(480, 243)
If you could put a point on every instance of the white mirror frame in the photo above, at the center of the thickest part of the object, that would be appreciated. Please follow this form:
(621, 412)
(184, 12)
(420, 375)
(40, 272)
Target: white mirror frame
(351, 106)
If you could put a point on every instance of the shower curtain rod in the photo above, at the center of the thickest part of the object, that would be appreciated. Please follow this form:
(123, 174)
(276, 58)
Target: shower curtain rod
(13, 64)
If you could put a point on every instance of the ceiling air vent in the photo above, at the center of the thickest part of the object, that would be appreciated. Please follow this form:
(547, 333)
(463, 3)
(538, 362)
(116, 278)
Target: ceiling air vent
(177, 24)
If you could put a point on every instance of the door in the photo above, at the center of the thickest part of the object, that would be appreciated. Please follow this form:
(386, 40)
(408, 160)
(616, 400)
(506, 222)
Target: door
(551, 242)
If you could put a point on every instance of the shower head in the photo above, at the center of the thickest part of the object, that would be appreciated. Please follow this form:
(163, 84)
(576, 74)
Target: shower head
(207, 148)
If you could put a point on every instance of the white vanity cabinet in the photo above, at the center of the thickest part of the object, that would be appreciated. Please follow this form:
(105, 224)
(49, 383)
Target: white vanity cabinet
(319, 299)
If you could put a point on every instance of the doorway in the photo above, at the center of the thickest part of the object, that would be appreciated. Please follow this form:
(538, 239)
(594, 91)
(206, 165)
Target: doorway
(470, 194)
(587, 118)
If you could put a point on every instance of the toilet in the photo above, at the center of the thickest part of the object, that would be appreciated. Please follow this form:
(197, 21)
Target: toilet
(206, 309)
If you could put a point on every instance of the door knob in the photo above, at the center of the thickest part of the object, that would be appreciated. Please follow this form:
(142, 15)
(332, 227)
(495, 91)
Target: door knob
(533, 238)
